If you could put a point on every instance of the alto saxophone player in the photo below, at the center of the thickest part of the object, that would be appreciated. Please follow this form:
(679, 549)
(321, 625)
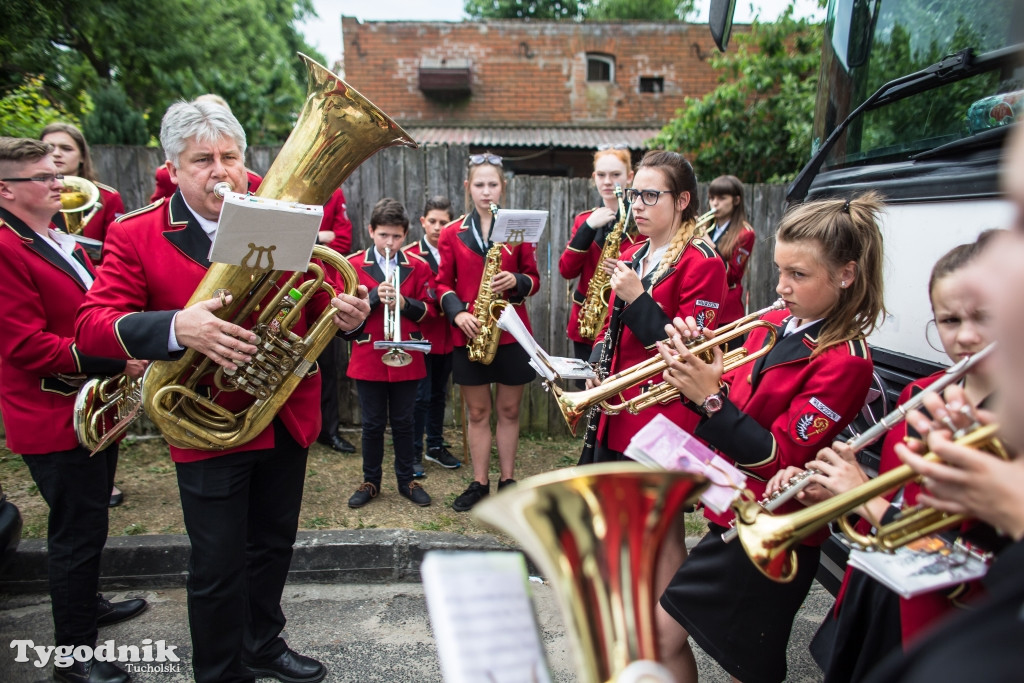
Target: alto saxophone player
(465, 295)
(240, 505)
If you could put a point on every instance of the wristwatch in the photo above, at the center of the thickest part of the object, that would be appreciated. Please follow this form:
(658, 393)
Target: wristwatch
(712, 404)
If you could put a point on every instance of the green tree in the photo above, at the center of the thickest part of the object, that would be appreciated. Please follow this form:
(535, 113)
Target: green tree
(243, 50)
(580, 10)
(757, 123)
(28, 108)
(648, 10)
(113, 121)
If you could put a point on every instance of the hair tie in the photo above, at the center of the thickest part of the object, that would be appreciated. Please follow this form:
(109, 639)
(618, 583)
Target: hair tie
(846, 206)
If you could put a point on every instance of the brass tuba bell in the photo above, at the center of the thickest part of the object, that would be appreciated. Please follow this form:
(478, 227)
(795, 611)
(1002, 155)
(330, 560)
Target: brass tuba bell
(79, 201)
(337, 130)
(595, 533)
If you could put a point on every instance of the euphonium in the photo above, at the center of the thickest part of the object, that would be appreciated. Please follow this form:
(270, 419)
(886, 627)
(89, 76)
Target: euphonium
(79, 201)
(595, 533)
(487, 307)
(595, 308)
(394, 357)
(574, 404)
(768, 540)
(700, 227)
(111, 398)
(336, 131)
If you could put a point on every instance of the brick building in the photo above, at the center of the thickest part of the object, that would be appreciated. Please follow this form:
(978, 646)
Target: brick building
(542, 94)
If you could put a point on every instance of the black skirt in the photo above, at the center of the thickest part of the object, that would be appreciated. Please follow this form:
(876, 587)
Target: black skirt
(867, 628)
(511, 366)
(734, 613)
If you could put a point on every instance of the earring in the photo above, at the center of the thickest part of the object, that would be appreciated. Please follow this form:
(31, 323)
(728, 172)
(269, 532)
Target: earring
(843, 284)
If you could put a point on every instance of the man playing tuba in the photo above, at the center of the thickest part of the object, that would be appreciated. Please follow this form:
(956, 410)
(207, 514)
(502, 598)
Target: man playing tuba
(241, 504)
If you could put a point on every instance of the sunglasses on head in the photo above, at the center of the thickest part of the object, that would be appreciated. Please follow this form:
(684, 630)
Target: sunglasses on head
(477, 159)
(620, 145)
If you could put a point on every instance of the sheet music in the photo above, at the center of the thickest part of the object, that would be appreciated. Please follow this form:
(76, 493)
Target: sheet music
(925, 565)
(408, 345)
(265, 233)
(482, 617)
(514, 227)
(549, 367)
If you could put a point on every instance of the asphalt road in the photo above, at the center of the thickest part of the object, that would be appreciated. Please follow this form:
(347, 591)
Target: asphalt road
(362, 632)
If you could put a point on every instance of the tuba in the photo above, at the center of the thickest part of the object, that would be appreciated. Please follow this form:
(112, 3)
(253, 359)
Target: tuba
(336, 131)
(574, 404)
(595, 533)
(79, 201)
(100, 401)
(599, 290)
(487, 308)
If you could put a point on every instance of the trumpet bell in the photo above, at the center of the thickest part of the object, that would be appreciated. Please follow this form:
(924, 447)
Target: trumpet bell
(595, 532)
(396, 358)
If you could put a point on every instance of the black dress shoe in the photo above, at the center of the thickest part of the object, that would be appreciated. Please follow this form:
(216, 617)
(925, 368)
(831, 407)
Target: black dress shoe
(337, 443)
(92, 671)
(116, 497)
(290, 667)
(414, 492)
(366, 492)
(108, 613)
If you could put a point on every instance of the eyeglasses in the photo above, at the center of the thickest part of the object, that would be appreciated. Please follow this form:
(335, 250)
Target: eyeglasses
(603, 147)
(46, 179)
(477, 159)
(648, 197)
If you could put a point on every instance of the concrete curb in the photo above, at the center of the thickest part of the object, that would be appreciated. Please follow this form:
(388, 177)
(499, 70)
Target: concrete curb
(334, 556)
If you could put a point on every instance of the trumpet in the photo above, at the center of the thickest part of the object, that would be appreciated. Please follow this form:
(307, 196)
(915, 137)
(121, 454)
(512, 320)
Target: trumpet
(798, 482)
(574, 404)
(768, 540)
(394, 357)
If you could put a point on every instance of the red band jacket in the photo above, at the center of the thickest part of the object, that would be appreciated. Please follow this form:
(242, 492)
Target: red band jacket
(38, 354)
(336, 220)
(434, 328)
(733, 308)
(415, 281)
(580, 259)
(784, 407)
(462, 267)
(154, 259)
(693, 285)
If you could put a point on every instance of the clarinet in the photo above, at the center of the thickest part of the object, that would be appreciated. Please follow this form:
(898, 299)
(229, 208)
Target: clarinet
(604, 364)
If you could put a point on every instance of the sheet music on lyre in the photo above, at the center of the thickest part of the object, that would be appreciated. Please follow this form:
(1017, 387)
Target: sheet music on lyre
(515, 226)
(549, 367)
(482, 617)
(258, 232)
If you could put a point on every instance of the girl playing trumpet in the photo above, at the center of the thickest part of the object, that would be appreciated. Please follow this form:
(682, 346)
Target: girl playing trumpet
(770, 414)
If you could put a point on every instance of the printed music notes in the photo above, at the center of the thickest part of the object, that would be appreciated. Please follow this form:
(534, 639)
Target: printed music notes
(513, 226)
(256, 232)
(482, 617)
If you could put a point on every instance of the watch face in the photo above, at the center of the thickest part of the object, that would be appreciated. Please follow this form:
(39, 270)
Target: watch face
(713, 403)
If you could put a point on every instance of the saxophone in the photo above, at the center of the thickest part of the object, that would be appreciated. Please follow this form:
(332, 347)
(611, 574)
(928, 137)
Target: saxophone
(487, 308)
(594, 310)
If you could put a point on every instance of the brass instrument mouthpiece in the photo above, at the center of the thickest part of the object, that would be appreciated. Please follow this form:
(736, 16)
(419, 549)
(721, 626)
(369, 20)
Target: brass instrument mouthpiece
(222, 189)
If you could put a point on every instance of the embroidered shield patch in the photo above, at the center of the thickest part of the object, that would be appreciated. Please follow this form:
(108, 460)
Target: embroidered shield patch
(704, 312)
(809, 425)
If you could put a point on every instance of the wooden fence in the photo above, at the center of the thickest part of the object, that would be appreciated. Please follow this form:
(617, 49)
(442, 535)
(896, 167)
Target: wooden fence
(414, 175)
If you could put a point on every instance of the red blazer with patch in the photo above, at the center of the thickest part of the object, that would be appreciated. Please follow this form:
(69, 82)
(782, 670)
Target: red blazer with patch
(38, 353)
(784, 407)
(415, 281)
(154, 259)
(694, 285)
(733, 308)
(580, 259)
(434, 328)
(462, 268)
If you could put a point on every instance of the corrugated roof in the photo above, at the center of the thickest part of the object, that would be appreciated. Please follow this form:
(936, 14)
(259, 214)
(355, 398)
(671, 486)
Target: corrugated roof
(579, 138)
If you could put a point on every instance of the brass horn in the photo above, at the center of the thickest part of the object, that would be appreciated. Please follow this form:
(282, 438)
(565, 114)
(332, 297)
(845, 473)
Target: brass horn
(768, 539)
(79, 201)
(101, 406)
(595, 533)
(575, 404)
(336, 131)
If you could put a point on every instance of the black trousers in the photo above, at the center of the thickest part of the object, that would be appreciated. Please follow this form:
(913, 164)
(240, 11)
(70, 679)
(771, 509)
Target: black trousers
(77, 489)
(241, 514)
(431, 396)
(331, 363)
(380, 402)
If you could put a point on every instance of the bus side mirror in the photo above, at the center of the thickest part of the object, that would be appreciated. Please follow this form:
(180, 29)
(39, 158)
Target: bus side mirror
(720, 21)
(862, 26)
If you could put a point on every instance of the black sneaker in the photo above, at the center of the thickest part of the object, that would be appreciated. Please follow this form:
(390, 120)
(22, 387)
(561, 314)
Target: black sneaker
(415, 493)
(502, 483)
(366, 492)
(471, 496)
(442, 457)
(417, 470)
